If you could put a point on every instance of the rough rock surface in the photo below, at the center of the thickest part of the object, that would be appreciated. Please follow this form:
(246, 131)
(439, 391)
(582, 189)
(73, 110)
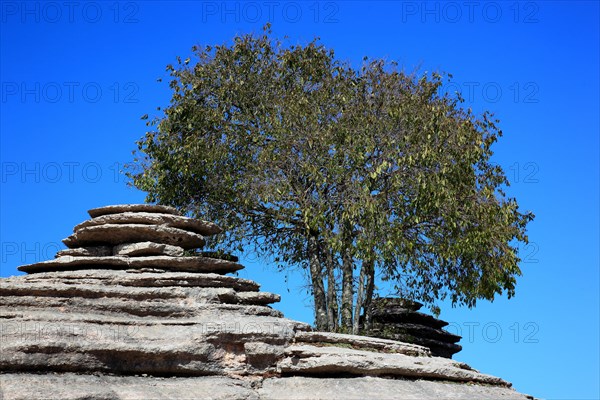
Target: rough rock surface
(141, 327)
(93, 251)
(69, 386)
(175, 221)
(194, 264)
(301, 388)
(399, 319)
(147, 249)
(121, 208)
(129, 233)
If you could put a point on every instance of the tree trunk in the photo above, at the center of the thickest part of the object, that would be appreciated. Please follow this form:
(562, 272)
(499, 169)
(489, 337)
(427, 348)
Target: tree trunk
(332, 301)
(318, 290)
(369, 296)
(347, 291)
(360, 295)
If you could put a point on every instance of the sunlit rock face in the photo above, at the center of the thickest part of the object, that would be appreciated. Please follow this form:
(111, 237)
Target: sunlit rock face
(124, 313)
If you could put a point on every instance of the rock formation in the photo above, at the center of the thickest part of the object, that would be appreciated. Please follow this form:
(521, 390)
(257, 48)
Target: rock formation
(400, 319)
(123, 314)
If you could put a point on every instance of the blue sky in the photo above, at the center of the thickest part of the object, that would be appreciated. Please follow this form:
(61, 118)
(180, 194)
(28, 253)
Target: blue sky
(77, 76)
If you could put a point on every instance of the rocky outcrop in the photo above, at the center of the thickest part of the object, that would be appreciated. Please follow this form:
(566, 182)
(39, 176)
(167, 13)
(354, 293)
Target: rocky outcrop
(400, 319)
(136, 319)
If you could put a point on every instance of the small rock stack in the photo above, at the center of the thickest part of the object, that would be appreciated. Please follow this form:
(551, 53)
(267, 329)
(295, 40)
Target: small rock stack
(136, 236)
(400, 319)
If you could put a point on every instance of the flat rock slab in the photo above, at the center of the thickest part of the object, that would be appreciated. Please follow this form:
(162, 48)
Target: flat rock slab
(134, 278)
(127, 233)
(438, 348)
(71, 386)
(147, 249)
(362, 343)
(94, 251)
(417, 330)
(331, 360)
(185, 264)
(362, 388)
(395, 302)
(402, 315)
(119, 208)
(147, 218)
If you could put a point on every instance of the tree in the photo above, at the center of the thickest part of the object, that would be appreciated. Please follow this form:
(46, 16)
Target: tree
(351, 174)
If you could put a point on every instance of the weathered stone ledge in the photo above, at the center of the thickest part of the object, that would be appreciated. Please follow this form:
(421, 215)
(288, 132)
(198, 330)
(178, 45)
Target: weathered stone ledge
(362, 343)
(115, 234)
(70, 386)
(314, 360)
(121, 208)
(145, 218)
(132, 278)
(185, 264)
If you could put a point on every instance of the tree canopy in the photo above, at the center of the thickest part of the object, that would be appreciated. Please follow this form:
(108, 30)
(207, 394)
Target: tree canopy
(350, 173)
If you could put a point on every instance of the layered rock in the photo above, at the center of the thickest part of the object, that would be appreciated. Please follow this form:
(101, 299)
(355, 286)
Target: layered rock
(136, 319)
(400, 319)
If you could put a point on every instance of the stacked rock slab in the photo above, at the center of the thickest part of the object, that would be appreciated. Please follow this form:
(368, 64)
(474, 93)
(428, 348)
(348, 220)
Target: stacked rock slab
(124, 314)
(400, 319)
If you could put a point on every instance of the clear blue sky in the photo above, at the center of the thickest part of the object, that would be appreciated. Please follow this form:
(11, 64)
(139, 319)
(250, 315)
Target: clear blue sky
(77, 76)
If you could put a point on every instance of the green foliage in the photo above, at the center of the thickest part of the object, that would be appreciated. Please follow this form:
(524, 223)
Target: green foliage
(278, 144)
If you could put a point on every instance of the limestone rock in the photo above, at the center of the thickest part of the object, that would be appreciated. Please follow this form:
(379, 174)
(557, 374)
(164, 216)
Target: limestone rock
(399, 319)
(127, 278)
(403, 315)
(420, 331)
(310, 360)
(149, 218)
(94, 251)
(96, 325)
(362, 343)
(301, 388)
(262, 355)
(390, 303)
(191, 264)
(126, 233)
(121, 208)
(147, 249)
(71, 386)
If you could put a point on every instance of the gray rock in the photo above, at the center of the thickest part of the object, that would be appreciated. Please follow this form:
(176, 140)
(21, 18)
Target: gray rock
(185, 264)
(94, 251)
(258, 298)
(403, 315)
(438, 348)
(332, 360)
(417, 330)
(301, 388)
(120, 208)
(362, 343)
(263, 355)
(191, 325)
(395, 302)
(127, 233)
(193, 296)
(137, 325)
(397, 319)
(147, 249)
(145, 279)
(70, 386)
(147, 218)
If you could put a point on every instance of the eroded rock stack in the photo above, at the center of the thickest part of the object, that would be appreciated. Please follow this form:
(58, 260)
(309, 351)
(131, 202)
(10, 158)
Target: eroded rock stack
(400, 319)
(136, 236)
(124, 314)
